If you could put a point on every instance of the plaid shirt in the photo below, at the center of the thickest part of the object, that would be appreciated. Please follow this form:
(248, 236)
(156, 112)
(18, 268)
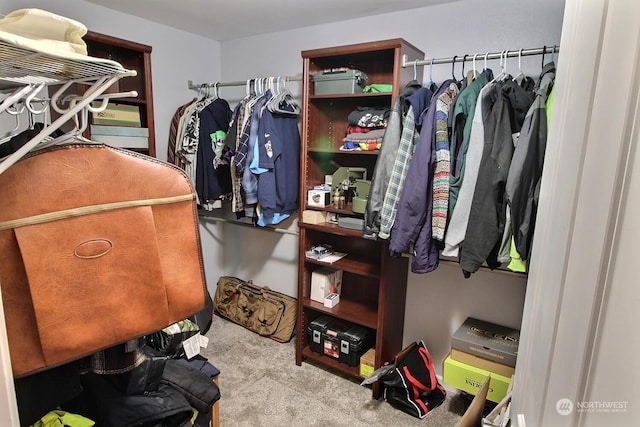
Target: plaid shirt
(398, 175)
(237, 205)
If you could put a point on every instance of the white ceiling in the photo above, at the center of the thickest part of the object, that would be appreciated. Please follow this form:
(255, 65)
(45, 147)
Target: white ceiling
(231, 19)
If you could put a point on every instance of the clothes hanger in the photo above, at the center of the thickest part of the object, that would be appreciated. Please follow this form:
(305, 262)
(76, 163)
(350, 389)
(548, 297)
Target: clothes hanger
(499, 76)
(503, 67)
(415, 70)
(520, 74)
(453, 66)
(17, 109)
(431, 85)
(282, 102)
(472, 74)
(17, 95)
(464, 61)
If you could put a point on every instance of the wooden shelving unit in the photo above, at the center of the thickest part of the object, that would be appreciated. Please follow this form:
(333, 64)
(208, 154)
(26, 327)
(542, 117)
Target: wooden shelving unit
(374, 283)
(133, 56)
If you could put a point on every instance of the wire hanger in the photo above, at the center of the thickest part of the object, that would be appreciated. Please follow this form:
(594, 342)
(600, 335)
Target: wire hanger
(453, 66)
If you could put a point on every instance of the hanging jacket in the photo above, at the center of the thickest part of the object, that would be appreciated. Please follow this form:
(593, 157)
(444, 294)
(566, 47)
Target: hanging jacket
(487, 216)
(418, 102)
(442, 165)
(523, 180)
(384, 162)
(459, 217)
(249, 180)
(462, 121)
(413, 224)
(213, 180)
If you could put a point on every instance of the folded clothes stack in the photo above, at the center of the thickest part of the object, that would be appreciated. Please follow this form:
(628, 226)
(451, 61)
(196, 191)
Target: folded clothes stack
(366, 128)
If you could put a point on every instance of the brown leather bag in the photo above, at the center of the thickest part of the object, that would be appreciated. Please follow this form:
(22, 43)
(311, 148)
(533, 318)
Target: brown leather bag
(99, 245)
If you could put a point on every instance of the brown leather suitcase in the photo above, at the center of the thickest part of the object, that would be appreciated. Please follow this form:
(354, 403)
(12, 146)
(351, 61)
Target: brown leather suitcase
(99, 245)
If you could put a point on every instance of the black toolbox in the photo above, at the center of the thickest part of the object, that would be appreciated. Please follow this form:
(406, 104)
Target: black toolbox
(339, 339)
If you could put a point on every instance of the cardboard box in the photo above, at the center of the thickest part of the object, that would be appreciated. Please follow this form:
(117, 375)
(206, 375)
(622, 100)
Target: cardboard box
(117, 115)
(314, 217)
(469, 378)
(121, 141)
(473, 415)
(482, 363)
(318, 198)
(325, 281)
(331, 300)
(119, 130)
(367, 363)
(487, 340)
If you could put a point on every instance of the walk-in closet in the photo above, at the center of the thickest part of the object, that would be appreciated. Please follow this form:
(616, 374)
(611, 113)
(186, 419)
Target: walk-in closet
(536, 236)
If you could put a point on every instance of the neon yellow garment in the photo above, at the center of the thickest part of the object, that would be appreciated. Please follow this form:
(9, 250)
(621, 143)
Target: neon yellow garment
(61, 418)
(516, 263)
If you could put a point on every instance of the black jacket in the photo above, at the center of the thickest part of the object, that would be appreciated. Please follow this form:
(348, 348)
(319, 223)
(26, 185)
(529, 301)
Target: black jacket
(487, 217)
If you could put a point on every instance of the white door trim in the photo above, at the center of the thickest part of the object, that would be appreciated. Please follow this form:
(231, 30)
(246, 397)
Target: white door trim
(584, 168)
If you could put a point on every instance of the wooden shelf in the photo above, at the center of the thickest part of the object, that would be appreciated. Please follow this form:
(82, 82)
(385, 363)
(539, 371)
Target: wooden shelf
(352, 311)
(349, 263)
(134, 56)
(352, 371)
(374, 284)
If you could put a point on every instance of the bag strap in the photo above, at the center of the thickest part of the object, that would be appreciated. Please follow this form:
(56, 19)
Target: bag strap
(87, 210)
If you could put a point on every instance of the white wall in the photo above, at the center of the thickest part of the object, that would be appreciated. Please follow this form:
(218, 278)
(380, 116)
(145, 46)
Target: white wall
(437, 303)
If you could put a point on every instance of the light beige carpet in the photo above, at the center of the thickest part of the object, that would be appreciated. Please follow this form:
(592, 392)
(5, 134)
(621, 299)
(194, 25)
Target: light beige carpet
(261, 385)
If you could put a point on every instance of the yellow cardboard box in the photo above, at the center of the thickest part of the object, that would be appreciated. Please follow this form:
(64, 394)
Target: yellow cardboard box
(469, 378)
(117, 115)
(367, 363)
(479, 362)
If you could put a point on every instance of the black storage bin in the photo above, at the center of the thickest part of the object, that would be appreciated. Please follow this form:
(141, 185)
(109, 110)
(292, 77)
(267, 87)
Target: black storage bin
(339, 339)
(316, 329)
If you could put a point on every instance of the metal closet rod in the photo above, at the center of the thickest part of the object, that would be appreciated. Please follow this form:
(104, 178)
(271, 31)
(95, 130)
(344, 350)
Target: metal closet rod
(191, 85)
(481, 56)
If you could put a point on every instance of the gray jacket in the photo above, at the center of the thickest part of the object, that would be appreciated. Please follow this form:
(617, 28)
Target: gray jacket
(384, 162)
(523, 182)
